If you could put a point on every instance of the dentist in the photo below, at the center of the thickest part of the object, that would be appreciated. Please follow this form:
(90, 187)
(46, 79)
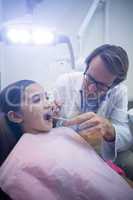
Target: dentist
(97, 100)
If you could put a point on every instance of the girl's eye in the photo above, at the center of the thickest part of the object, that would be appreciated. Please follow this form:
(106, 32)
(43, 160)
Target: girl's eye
(36, 99)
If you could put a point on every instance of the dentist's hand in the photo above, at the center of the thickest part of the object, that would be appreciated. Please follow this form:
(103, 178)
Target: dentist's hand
(56, 108)
(90, 123)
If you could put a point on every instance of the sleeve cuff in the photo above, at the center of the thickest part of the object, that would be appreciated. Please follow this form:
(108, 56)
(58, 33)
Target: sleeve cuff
(108, 151)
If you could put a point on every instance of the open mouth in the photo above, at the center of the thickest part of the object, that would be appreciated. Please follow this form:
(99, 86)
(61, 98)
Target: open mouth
(48, 116)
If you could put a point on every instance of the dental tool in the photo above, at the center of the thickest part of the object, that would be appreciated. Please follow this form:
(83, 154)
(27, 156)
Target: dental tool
(60, 121)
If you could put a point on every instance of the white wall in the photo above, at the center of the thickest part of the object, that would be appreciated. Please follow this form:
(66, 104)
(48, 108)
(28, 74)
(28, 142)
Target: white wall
(1, 56)
(45, 64)
(39, 64)
(119, 31)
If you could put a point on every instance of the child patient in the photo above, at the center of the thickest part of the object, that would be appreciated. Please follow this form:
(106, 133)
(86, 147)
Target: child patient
(41, 162)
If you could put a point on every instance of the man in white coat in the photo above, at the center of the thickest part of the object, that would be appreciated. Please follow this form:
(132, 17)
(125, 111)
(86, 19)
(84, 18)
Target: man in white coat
(97, 100)
(125, 158)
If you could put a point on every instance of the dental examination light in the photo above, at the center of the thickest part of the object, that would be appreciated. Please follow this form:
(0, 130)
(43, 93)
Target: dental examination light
(18, 36)
(27, 34)
(36, 36)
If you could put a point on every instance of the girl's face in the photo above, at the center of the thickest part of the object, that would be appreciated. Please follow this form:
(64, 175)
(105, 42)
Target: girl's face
(35, 107)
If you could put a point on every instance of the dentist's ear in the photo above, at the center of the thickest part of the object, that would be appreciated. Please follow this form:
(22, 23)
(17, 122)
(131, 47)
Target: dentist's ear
(15, 117)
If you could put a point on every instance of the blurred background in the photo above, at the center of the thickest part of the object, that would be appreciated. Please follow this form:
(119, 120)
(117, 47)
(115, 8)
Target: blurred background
(83, 25)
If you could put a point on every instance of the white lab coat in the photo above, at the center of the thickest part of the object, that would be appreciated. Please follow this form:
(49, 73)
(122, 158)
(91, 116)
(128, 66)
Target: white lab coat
(130, 118)
(114, 108)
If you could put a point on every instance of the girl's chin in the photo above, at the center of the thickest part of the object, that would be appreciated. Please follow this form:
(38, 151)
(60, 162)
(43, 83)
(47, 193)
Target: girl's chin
(43, 126)
(48, 125)
(43, 129)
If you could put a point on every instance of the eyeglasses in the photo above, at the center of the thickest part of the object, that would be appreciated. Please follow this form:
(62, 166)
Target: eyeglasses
(101, 87)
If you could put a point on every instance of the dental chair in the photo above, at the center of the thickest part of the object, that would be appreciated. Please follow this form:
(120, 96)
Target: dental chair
(4, 196)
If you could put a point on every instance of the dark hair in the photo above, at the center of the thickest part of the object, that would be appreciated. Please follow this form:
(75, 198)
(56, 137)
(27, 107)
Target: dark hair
(115, 59)
(10, 100)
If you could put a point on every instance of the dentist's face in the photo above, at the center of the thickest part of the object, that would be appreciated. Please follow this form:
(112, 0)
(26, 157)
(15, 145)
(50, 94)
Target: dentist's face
(35, 107)
(97, 79)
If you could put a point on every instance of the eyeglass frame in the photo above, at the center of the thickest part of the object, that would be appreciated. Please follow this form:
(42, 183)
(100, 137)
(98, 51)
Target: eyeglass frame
(94, 81)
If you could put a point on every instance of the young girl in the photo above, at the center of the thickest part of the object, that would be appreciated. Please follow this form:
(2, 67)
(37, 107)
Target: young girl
(38, 162)
(24, 107)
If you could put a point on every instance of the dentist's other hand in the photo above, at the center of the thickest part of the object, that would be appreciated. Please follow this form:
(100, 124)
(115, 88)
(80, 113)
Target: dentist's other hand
(56, 108)
(91, 123)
